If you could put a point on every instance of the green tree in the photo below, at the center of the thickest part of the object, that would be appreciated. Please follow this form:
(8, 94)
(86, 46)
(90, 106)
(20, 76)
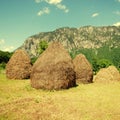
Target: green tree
(95, 65)
(5, 56)
(115, 53)
(103, 63)
(42, 47)
(2, 65)
(104, 52)
(33, 59)
(100, 63)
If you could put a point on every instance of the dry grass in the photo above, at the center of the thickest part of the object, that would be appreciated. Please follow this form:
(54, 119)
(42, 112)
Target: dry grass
(18, 101)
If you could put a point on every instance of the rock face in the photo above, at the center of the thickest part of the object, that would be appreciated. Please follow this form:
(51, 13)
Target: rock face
(19, 66)
(107, 74)
(83, 69)
(53, 69)
(75, 38)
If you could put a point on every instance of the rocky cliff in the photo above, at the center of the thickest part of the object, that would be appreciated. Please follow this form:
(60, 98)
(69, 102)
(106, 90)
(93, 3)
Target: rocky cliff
(83, 37)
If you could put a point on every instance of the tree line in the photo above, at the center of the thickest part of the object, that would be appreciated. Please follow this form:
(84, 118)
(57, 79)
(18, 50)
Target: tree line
(4, 58)
(100, 57)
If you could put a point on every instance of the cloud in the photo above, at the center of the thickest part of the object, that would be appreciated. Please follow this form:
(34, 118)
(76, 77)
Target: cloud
(57, 3)
(118, 0)
(49, 1)
(117, 24)
(8, 48)
(2, 41)
(63, 7)
(43, 11)
(5, 48)
(38, 1)
(117, 12)
(95, 14)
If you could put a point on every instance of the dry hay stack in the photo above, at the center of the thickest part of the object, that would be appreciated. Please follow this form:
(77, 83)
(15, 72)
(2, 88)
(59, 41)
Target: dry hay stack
(19, 66)
(107, 74)
(83, 69)
(53, 69)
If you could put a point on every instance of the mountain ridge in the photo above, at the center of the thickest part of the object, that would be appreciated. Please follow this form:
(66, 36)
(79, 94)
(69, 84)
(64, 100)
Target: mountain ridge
(75, 38)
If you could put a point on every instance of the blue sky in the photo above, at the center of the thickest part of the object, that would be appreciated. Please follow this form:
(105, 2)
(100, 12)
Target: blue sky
(20, 19)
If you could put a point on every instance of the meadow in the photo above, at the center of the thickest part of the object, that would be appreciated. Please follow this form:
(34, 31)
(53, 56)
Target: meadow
(96, 101)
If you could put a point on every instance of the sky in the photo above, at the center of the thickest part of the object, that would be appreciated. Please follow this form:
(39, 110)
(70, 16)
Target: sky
(20, 19)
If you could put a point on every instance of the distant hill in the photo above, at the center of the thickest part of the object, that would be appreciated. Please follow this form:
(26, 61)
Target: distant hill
(76, 38)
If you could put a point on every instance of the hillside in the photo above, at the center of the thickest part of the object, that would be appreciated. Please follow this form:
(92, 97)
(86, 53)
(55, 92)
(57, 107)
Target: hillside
(83, 37)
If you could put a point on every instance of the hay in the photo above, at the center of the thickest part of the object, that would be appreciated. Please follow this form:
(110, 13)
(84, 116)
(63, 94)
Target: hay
(19, 66)
(83, 69)
(107, 74)
(53, 69)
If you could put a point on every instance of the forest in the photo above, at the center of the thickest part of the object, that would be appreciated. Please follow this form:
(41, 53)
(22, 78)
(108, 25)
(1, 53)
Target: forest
(100, 57)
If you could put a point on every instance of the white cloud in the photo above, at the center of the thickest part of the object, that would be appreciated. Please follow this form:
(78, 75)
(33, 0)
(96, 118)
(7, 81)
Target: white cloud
(117, 24)
(43, 11)
(8, 48)
(63, 7)
(118, 0)
(117, 12)
(2, 41)
(95, 14)
(38, 1)
(57, 3)
(5, 48)
(49, 1)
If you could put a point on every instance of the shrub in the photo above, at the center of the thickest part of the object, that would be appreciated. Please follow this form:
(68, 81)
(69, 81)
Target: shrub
(42, 47)
(102, 63)
(2, 65)
(33, 60)
(5, 56)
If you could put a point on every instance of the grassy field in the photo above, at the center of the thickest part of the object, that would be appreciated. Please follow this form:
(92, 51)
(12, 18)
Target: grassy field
(96, 101)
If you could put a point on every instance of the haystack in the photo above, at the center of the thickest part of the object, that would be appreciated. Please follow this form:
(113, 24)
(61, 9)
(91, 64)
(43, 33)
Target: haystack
(53, 69)
(19, 66)
(83, 69)
(106, 75)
